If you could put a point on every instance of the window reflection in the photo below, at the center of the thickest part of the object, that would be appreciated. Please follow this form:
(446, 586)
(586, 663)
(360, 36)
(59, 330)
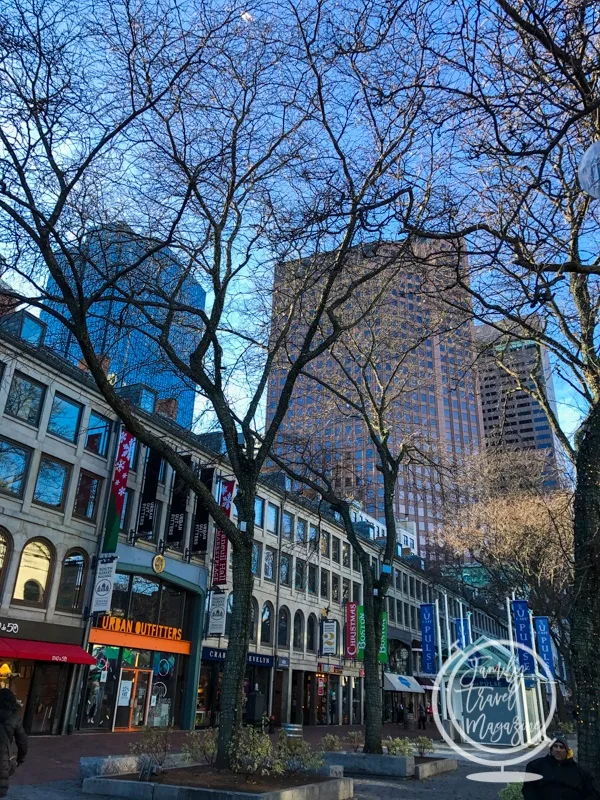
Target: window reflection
(64, 418)
(34, 572)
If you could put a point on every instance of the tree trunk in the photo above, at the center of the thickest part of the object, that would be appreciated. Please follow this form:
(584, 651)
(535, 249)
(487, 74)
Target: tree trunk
(373, 707)
(237, 651)
(585, 619)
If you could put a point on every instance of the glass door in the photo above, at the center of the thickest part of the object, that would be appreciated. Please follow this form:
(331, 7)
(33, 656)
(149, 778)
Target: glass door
(132, 699)
(139, 706)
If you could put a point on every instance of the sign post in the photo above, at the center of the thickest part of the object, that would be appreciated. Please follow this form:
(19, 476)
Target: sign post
(103, 585)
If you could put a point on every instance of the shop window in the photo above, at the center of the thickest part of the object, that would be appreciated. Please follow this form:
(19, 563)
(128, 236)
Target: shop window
(311, 634)
(144, 599)
(172, 601)
(72, 582)
(120, 597)
(266, 624)
(253, 619)
(33, 578)
(14, 461)
(283, 628)
(285, 569)
(64, 418)
(87, 496)
(229, 614)
(259, 512)
(5, 554)
(299, 631)
(25, 399)
(51, 483)
(97, 435)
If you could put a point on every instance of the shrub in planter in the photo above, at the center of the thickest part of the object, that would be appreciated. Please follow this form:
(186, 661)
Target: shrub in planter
(422, 745)
(252, 753)
(330, 742)
(356, 740)
(202, 746)
(296, 755)
(398, 747)
(153, 745)
(514, 791)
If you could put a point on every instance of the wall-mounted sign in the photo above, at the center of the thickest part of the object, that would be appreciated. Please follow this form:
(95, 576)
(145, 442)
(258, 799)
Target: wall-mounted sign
(330, 669)
(103, 586)
(283, 662)
(221, 541)
(329, 638)
(122, 625)
(158, 564)
(218, 654)
(217, 614)
(351, 630)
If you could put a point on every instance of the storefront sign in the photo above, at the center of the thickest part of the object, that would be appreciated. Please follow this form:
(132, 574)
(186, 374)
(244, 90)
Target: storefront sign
(221, 542)
(544, 643)
(122, 625)
(217, 614)
(428, 638)
(103, 586)
(258, 660)
(283, 662)
(176, 524)
(330, 669)
(40, 631)
(199, 540)
(158, 564)
(522, 625)
(218, 654)
(383, 645)
(146, 519)
(351, 630)
(117, 492)
(329, 638)
(125, 693)
(362, 640)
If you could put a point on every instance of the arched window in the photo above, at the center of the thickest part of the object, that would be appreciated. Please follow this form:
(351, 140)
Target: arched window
(5, 554)
(35, 571)
(72, 582)
(253, 619)
(283, 628)
(311, 634)
(229, 614)
(299, 631)
(266, 624)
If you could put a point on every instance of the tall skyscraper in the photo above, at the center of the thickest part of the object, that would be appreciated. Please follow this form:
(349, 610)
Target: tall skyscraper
(119, 329)
(512, 419)
(421, 350)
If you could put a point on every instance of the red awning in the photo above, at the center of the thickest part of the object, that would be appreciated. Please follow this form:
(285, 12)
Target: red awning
(44, 651)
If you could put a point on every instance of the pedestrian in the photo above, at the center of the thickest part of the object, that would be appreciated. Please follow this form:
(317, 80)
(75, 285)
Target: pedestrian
(422, 717)
(401, 714)
(429, 712)
(11, 730)
(562, 777)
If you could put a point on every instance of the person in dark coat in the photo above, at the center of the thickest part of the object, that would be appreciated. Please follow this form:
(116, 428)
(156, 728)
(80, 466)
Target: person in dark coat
(562, 777)
(11, 730)
(422, 717)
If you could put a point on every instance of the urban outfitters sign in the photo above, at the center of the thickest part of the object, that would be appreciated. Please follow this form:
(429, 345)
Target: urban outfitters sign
(122, 625)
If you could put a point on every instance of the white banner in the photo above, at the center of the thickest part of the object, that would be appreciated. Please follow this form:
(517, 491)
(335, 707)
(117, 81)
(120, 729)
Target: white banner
(103, 586)
(217, 615)
(329, 647)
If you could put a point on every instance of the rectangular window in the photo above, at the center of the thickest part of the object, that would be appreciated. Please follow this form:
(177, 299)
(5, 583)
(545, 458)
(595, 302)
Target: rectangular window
(399, 611)
(404, 583)
(406, 616)
(312, 579)
(259, 512)
(313, 535)
(356, 598)
(285, 569)
(88, 494)
(392, 609)
(14, 461)
(301, 531)
(324, 583)
(335, 588)
(300, 575)
(335, 549)
(345, 589)
(25, 399)
(270, 562)
(126, 511)
(256, 548)
(325, 544)
(98, 432)
(287, 526)
(64, 418)
(51, 483)
(273, 519)
(398, 580)
(355, 561)
(412, 587)
(413, 621)
(418, 588)
(346, 555)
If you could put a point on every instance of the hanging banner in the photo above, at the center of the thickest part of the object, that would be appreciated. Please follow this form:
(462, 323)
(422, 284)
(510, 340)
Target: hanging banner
(199, 537)
(217, 614)
(146, 520)
(176, 523)
(522, 625)
(428, 638)
(383, 647)
(361, 633)
(117, 492)
(463, 638)
(221, 541)
(544, 643)
(329, 638)
(103, 585)
(351, 650)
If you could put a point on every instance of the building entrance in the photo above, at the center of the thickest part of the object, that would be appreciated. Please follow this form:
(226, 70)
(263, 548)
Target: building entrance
(132, 699)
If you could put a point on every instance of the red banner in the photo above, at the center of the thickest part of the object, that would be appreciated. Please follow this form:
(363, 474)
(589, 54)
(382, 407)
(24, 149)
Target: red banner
(118, 490)
(351, 630)
(221, 541)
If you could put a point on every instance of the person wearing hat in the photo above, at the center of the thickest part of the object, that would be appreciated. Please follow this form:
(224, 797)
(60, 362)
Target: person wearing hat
(562, 777)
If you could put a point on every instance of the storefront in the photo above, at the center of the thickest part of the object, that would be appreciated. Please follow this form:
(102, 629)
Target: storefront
(257, 678)
(36, 662)
(143, 653)
(402, 695)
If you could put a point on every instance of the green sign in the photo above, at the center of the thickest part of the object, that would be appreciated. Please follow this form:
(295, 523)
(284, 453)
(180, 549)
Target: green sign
(383, 650)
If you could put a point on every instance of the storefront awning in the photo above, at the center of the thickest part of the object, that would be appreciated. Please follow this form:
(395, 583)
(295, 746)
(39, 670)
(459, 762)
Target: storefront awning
(44, 651)
(428, 682)
(401, 683)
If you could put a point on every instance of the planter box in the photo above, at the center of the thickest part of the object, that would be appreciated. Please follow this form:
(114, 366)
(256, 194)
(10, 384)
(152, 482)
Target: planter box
(371, 764)
(96, 766)
(336, 789)
(435, 767)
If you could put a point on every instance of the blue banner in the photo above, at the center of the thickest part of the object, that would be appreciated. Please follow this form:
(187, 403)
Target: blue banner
(428, 638)
(544, 642)
(462, 633)
(522, 625)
